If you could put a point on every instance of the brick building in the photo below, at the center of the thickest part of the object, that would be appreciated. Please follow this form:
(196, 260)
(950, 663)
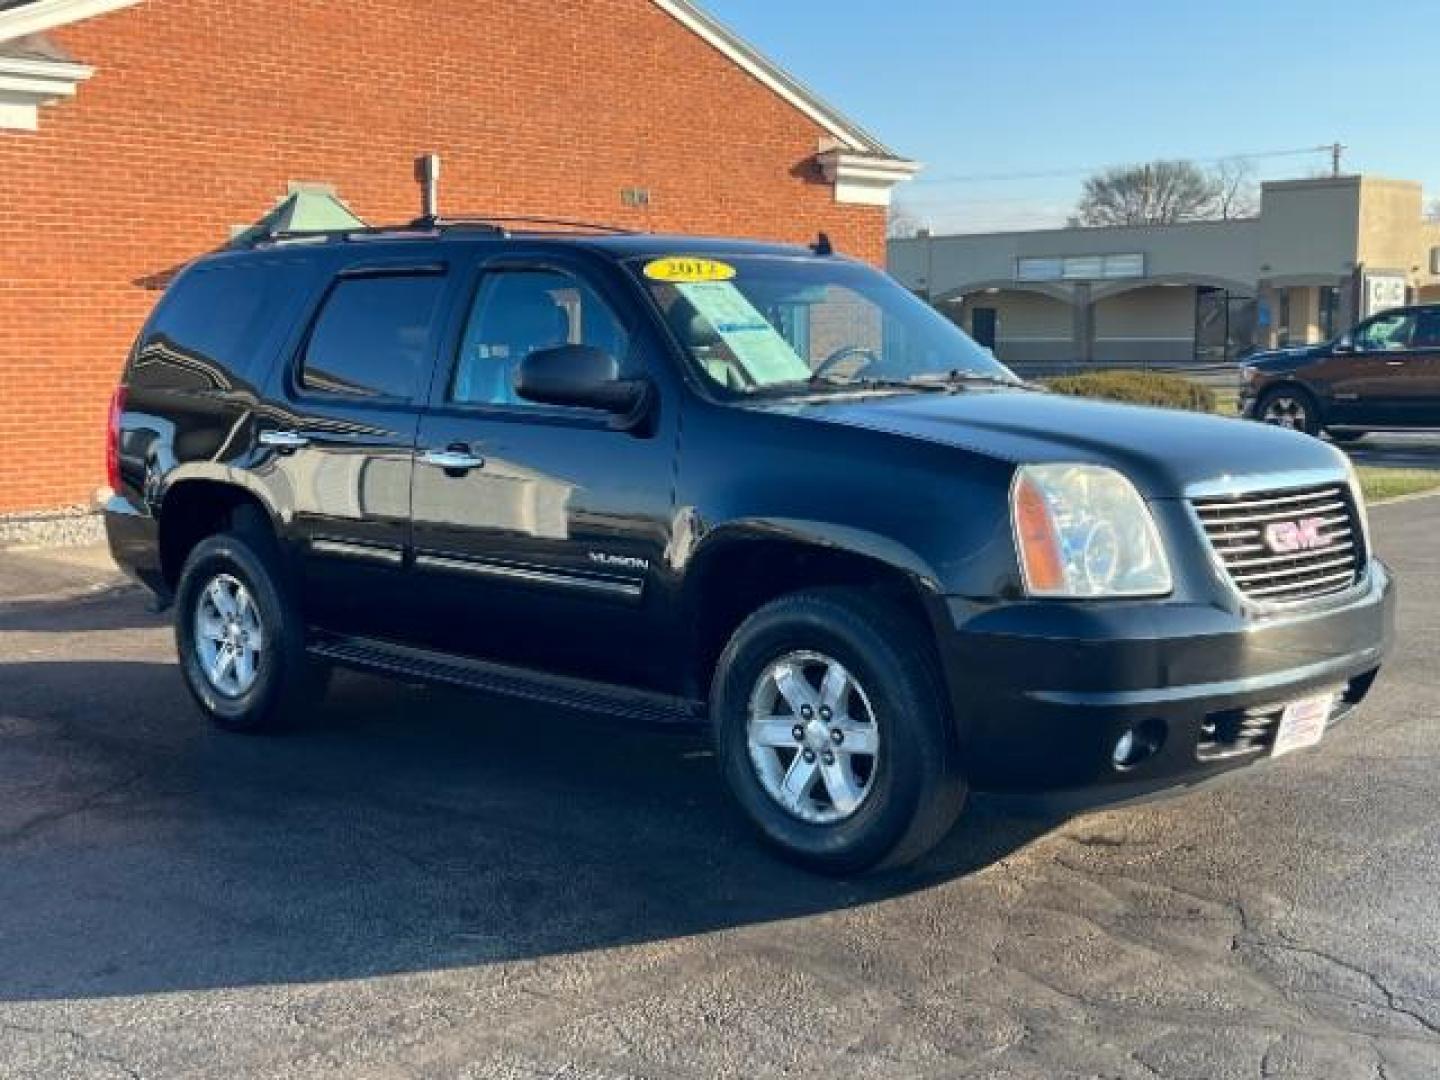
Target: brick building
(136, 134)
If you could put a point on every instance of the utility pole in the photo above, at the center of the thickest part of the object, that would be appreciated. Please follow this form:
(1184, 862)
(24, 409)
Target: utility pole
(1337, 151)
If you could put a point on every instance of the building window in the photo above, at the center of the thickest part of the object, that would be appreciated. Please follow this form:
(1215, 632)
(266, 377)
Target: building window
(1329, 312)
(1283, 322)
(1079, 267)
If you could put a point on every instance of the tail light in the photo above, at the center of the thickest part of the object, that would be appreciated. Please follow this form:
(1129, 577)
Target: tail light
(112, 439)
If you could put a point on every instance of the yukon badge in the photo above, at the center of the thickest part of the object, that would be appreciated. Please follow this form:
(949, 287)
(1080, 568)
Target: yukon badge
(1290, 537)
(619, 562)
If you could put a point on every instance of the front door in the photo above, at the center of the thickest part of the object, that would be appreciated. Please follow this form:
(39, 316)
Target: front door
(540, 532)
(1383, 380)
(341, 438)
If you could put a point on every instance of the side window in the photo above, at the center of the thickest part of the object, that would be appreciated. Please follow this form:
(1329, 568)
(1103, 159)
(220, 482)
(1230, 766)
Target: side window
(217, 327)
(371, 337)
(517, 312)
(1427, 330)
(1386, 333)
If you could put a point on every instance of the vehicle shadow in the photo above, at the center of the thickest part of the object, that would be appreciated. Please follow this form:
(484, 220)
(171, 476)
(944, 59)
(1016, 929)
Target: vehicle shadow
(121, 607)
(400, 829)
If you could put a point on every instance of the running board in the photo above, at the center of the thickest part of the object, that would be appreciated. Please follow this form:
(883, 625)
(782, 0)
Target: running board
(561, 691)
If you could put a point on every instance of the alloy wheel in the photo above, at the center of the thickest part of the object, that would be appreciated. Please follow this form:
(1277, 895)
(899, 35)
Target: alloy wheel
(813, 738)
(1287, 412)
(229, 636)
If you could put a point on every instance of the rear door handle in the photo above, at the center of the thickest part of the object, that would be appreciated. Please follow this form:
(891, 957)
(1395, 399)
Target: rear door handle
(454, 461)
(284, 441)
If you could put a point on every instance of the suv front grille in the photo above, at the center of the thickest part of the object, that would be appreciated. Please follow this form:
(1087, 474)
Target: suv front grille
(1286, 547)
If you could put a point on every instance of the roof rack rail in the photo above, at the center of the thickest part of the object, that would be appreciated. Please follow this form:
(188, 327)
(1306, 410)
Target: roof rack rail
(498, 223)
(333, 236)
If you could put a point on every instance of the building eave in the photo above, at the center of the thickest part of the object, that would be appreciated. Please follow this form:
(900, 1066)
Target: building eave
(43, 15)
(865, 179)
(27, 84)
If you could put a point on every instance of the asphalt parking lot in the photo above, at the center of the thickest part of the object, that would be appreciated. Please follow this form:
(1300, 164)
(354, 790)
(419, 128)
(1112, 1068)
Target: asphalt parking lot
(423, 884)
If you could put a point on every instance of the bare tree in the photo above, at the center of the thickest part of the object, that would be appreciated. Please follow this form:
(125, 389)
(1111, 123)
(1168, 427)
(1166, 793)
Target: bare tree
(1236, 193)
(901, 224)
(1160, 193)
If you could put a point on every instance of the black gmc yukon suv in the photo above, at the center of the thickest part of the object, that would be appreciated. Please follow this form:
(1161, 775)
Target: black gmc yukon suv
(763, 487)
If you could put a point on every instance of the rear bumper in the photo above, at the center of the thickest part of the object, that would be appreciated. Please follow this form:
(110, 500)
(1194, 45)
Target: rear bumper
(134, 538)
(1044, 692)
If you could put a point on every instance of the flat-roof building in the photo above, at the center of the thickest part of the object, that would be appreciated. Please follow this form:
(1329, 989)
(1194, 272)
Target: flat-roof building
(1321, 254)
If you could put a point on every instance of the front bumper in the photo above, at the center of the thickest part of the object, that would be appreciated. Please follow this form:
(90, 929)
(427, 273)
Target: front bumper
(1043, 692)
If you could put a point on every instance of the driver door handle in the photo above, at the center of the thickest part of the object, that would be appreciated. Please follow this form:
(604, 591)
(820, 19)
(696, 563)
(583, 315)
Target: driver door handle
(455, 460)
(284, 441)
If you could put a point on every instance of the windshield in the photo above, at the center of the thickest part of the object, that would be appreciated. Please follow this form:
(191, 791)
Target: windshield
(753, 324)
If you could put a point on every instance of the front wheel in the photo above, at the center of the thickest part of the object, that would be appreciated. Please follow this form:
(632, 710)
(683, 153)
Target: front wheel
(1289, 407)
(832, 732)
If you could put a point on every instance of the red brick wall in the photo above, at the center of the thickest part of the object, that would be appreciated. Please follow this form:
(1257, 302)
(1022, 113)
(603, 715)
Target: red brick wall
(203, 110)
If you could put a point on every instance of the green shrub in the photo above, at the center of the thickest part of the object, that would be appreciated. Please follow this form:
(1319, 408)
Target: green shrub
(1138, 388)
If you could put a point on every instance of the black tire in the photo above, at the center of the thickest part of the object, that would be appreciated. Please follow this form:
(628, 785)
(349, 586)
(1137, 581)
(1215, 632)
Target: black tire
(286, 681)
(916, 792)
(1287, 398)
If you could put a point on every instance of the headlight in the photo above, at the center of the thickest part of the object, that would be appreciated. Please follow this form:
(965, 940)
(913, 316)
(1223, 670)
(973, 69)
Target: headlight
(1248, 375)
(1357, 495)
(1084, 531)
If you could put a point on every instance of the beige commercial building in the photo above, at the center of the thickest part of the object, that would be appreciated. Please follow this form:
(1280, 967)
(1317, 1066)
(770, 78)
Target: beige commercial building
(1320, 255)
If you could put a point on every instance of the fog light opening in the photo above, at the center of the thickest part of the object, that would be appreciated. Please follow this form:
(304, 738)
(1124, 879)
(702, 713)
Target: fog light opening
(1140, 742)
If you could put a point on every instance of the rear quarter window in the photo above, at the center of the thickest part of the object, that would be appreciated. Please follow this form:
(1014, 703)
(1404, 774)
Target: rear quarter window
(219, 327)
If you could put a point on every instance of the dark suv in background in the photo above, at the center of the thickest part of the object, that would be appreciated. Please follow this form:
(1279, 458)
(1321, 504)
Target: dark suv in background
(1382, 375)
(753, 486)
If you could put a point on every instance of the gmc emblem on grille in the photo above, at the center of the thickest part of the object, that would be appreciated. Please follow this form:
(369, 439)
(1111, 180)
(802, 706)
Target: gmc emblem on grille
(1288, 537)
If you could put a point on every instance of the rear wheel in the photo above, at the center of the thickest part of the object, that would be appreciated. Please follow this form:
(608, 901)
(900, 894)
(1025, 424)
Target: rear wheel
(1290, 407)
(833, 735)
(240, 637)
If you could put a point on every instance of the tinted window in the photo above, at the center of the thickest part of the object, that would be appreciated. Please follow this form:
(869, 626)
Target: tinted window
(519, 311)
(1386, 333)
(1427, 330)
(218, 327)
(372, 336)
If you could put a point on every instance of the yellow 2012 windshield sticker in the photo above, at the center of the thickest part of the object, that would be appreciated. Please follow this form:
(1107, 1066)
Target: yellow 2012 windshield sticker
(682, 270)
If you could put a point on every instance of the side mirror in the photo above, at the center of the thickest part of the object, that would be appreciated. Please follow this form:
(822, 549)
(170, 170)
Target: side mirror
(1345, 344)
(579, 377)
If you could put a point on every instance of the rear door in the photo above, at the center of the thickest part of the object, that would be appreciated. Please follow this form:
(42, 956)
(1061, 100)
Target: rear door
(340, 440)
(540, 532)
(1425, 352)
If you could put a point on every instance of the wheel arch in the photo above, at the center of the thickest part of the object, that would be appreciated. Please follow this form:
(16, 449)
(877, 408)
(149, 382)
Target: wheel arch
(201, 504)
(1292, 382)
(742, 567)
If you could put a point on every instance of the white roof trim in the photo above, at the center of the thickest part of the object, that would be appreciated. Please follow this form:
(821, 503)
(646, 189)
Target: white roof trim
(45, 15)
(773, 76)
(27, 84)
(865, 179)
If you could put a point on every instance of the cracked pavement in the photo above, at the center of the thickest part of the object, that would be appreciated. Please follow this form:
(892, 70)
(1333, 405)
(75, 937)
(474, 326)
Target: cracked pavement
(419, 883)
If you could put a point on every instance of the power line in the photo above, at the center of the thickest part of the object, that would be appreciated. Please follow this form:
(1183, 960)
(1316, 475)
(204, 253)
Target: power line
(1050, 174)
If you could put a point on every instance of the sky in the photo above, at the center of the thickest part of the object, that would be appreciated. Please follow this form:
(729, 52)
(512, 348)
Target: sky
(974, 90)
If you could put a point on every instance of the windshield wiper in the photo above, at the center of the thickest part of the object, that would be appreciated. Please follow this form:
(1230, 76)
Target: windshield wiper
(833, 382)
(953, 380)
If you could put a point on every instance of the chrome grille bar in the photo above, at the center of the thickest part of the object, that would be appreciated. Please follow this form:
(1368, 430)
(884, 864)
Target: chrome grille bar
(1241, 533)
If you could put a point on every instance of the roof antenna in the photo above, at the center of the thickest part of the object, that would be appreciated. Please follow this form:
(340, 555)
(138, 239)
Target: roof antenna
(822, 246)
(427, 175)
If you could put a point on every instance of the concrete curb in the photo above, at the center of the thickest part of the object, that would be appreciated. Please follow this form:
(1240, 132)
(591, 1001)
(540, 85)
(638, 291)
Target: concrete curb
(77, 526)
